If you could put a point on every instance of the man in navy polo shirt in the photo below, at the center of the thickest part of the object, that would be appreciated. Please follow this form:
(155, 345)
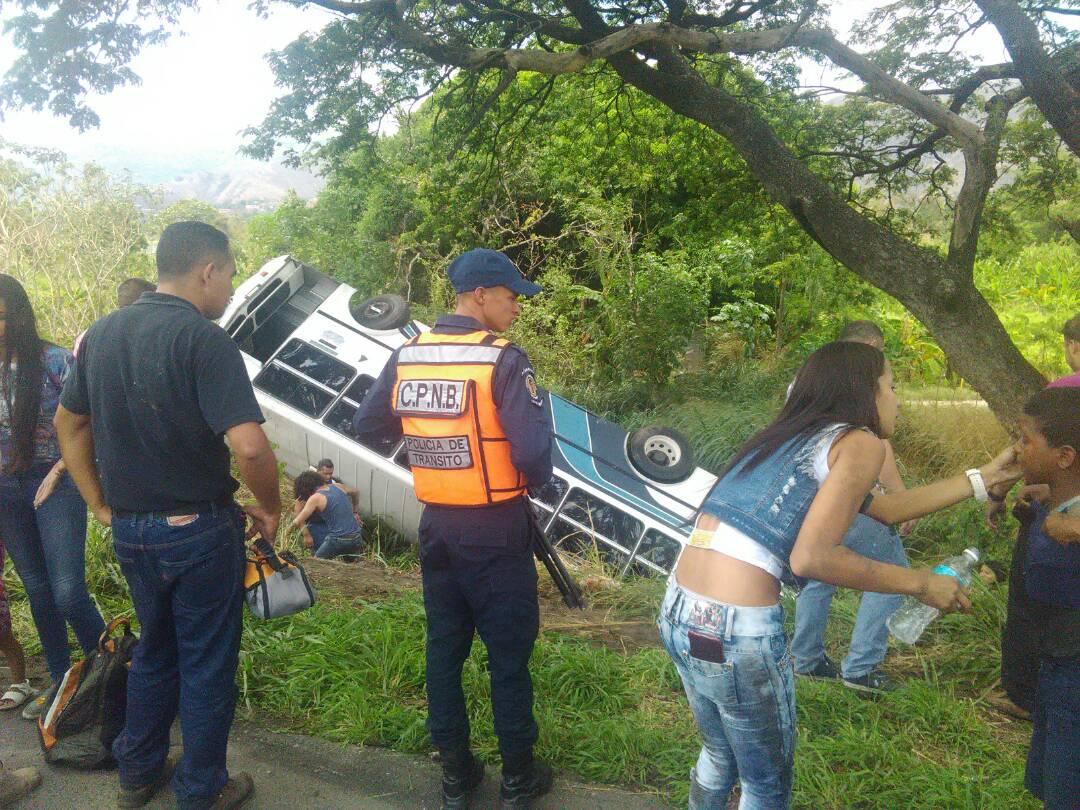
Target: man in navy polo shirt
(157, 388)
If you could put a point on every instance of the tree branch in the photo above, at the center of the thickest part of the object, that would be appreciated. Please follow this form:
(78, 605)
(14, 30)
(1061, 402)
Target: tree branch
(888, 86)
(1056, 96)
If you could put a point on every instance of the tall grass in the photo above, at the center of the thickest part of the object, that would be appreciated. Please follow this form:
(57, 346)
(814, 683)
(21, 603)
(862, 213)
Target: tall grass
(357, 675)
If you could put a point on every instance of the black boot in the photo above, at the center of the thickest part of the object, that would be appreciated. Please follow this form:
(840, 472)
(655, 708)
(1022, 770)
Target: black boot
(523, 779)
(462, 774)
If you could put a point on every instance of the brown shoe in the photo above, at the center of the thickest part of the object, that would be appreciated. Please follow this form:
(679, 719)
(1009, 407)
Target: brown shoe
(1003, 704)
(129, 797)
(237, 791)
(16, 784)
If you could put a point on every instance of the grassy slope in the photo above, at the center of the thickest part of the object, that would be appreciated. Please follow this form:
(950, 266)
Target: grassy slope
(354, 672)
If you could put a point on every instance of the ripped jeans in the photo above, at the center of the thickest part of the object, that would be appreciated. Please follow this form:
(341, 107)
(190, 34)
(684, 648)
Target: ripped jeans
(744, 706)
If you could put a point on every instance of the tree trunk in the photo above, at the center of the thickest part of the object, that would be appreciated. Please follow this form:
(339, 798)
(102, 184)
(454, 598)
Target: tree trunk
(942, 296)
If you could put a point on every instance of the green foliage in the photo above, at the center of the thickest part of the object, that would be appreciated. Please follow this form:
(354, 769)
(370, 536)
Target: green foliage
(70, 236)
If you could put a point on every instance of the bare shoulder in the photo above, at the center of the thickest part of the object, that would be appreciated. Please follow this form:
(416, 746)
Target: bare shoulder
(857, 449)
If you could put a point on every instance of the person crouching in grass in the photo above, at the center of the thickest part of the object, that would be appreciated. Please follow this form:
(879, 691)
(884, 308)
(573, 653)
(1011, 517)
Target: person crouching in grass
(325, 512)
(1048, 452)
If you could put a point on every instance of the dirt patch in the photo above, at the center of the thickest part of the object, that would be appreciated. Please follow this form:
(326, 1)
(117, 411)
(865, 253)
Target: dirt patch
(344, 582)
(365, 579)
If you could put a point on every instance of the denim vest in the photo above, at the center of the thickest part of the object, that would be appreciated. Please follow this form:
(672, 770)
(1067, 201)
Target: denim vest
(768, 503)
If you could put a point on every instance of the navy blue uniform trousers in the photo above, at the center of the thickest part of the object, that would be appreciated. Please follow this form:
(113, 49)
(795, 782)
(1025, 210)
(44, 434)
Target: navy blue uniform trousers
(479, 576)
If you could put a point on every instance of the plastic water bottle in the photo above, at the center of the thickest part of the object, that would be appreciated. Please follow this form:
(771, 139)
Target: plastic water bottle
(911, 618)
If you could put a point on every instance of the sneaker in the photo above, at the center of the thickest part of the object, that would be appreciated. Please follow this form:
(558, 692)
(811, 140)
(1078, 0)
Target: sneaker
(16, 784)
(824, 670)
(34, 708)
(237, 791)
(519, 791)
(137, 797)
(458, 786)
(874, 682)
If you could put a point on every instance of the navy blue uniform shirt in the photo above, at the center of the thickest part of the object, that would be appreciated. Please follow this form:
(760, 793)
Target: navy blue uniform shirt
(521, 411)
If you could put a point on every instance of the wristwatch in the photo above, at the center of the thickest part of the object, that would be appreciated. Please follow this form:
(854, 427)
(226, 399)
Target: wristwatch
(978, 485)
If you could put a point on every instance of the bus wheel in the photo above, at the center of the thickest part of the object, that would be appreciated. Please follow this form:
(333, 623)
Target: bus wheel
(381, 312)
(660, 453)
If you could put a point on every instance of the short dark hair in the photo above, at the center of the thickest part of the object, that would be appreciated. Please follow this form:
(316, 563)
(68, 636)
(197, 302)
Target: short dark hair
(1056, 410)
(129, 290)
(324, 462)
(185, 244)
(1071, 329)
(306, 484)
(861, 332)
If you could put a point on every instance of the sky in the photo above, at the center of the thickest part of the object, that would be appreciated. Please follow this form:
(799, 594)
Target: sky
(199, 91)
(202, 88)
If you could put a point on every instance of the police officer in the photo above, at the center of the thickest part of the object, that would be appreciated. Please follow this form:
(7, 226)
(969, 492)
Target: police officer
(472, 416)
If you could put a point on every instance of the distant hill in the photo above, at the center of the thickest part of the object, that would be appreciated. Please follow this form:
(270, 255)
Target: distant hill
(247, 187)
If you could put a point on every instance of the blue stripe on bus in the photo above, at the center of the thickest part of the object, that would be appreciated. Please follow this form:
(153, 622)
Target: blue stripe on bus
(572, 424)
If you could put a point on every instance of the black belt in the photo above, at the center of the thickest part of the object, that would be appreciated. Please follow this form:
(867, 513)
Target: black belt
(186, 509)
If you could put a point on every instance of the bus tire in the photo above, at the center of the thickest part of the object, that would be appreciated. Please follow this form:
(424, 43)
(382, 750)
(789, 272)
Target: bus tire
(381, 312)
(661, 454)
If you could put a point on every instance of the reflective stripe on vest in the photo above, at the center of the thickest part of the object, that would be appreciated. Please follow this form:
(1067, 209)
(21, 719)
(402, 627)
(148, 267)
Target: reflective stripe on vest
(457, 449)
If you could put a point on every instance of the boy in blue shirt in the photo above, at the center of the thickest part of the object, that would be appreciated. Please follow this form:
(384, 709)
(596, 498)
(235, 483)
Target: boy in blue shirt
(1049, 453)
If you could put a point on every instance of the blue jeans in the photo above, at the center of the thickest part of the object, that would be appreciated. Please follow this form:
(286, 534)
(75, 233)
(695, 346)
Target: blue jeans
(334, 545)
(870, 637)
(48, 548)
(1053, 764)
(744, 706)
(186, 584)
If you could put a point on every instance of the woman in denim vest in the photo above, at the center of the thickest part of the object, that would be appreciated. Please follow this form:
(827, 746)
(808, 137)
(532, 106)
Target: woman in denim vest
(778, 514)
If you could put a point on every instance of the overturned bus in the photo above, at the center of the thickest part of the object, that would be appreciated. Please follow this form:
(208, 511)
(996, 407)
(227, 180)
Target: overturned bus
(314, 346)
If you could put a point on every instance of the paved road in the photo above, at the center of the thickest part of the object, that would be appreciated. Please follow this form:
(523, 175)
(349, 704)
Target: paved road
(293, 772)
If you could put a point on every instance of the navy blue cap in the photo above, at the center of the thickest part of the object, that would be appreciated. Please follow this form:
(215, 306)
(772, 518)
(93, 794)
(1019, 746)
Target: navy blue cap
(481, 267)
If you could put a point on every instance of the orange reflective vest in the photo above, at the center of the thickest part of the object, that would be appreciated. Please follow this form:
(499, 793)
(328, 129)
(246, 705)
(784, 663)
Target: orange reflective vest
(458, 451)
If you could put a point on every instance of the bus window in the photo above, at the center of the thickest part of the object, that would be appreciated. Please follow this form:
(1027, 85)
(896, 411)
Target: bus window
(316, 364)
(602, 517)
(358, 390)
(586, 522)
(293, 390)
(551, 493)
(659, 549)
(261, 310)
(339, 418)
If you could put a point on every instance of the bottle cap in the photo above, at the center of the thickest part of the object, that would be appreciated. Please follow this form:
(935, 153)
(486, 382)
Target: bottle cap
(973, 553)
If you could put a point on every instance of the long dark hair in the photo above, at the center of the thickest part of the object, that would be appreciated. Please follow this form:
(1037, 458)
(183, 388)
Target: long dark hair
(23, 394)
(837, 383)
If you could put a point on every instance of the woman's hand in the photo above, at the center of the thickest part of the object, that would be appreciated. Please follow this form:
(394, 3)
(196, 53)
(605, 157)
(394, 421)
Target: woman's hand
(1003, 471)
(945, 593)
(48, 484)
